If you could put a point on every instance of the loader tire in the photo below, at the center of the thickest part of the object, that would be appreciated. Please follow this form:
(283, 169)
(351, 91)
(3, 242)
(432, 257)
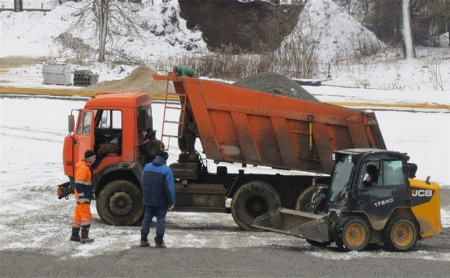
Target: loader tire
(353, 234)
(251, 200)
(120, 203)
(400, 234)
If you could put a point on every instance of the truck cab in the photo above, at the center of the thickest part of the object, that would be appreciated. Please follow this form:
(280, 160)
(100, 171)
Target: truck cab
(118, 127)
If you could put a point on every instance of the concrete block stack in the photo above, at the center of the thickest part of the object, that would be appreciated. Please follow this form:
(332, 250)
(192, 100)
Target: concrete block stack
(84, 78)
(57, 73)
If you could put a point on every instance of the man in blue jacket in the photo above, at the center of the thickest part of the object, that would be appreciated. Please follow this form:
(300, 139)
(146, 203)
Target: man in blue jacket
(158, 190)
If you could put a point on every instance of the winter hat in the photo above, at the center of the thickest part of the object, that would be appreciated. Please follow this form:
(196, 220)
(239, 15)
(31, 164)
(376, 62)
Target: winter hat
(163, 155)
(88, 154)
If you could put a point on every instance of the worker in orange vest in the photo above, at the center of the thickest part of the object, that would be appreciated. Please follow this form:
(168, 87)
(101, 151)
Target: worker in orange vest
(83, 195)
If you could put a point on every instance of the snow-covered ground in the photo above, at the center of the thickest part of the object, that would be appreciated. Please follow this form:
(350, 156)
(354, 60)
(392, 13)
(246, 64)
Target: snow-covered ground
(31, 140)
(416, 121)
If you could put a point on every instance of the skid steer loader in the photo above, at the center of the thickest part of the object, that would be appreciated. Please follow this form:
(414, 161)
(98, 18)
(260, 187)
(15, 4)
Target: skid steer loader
(395, 209)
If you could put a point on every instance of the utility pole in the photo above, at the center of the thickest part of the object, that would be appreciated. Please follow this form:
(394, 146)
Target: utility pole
(18, 6)
(408, 42)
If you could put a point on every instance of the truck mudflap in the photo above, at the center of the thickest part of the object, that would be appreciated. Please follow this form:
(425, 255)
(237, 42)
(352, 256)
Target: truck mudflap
(296, 223)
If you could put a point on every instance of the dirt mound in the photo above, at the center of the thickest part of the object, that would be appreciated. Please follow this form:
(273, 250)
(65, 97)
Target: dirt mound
(275, 83)
(240, 26)
(140, 80)
(18, 61)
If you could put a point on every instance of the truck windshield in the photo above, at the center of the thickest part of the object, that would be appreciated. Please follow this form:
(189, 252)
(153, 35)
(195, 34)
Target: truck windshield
(340, 179)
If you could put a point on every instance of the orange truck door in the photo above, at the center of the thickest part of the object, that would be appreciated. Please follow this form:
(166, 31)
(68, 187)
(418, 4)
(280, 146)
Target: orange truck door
(84, 134)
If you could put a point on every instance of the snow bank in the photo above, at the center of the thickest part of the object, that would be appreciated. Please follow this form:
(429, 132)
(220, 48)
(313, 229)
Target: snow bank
(337, 35)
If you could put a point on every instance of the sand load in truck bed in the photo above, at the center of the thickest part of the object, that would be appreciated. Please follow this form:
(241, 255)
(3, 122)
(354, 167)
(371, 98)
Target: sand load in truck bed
(275, 83)
(241, 125)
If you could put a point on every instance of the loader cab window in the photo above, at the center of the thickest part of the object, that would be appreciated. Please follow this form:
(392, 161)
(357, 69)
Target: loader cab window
(393, 173)
(382, 173)
(342, 174)
(108, 132)
(369, 176)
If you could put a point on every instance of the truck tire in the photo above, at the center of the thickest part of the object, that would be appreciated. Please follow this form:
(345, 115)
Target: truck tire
(352, 234)
(120, 203)
(304, 199)
(400, 234)
(313, 199)
(251, 200)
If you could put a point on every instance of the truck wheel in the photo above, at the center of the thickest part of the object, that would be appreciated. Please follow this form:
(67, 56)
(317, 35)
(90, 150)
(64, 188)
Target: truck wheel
(353, 234)
(400, 234)
(120, 203)
(304, 200)
(251, 200)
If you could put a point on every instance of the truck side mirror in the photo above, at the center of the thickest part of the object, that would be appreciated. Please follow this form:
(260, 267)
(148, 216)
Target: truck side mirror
(71, 123)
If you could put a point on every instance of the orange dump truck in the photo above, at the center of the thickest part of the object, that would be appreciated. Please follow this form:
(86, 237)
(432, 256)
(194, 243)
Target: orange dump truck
(233, 124)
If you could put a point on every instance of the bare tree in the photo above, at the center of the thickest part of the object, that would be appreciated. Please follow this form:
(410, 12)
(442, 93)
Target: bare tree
(102, 13)
(110, 17)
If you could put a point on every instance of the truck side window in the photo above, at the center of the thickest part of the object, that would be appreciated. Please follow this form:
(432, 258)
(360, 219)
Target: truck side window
(108, 134)
(84, 126)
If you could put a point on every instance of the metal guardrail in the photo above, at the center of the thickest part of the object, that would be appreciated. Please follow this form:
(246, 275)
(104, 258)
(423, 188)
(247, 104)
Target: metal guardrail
(24, 10)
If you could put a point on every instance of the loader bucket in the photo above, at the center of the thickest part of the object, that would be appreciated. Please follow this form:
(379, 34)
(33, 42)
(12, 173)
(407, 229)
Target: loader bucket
(296, 223)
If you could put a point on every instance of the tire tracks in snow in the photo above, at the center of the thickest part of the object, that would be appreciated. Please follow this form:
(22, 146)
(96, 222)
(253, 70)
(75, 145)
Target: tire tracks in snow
(32, 134)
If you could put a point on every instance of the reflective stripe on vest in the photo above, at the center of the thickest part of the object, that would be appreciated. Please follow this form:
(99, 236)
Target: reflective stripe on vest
(83, 182)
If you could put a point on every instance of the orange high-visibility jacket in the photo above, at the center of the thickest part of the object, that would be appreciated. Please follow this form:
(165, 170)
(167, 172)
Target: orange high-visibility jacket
(83, 182)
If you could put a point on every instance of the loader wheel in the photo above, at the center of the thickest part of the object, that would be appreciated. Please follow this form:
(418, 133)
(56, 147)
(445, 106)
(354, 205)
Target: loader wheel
(120, 203)
(251, 200)
(400, 234)
(353, 234)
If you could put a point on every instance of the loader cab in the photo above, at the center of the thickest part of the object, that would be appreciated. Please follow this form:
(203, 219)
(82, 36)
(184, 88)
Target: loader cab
(389, 189)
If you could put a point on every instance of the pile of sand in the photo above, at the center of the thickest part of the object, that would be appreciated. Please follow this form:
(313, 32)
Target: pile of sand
(140, 80)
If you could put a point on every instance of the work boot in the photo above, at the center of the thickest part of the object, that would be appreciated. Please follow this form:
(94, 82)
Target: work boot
(75, 234)
(159, 242)
(85, 234)
(144, 241)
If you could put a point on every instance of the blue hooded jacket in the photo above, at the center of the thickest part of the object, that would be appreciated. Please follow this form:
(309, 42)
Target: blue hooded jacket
(158, 187)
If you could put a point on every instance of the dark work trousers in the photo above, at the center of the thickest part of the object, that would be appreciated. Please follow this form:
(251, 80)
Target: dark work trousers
(160, 214)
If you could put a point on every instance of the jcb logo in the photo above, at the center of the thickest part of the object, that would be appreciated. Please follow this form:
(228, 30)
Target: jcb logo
(422, 193)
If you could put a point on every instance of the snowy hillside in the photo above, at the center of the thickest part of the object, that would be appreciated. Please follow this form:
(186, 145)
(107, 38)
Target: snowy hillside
(163, 32)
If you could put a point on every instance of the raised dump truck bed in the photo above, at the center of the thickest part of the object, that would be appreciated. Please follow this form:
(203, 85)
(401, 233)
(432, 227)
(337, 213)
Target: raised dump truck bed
(241, 125)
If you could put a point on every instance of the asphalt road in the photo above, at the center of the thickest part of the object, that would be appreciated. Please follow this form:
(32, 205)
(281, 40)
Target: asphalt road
(270, 261)
(211, 262)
